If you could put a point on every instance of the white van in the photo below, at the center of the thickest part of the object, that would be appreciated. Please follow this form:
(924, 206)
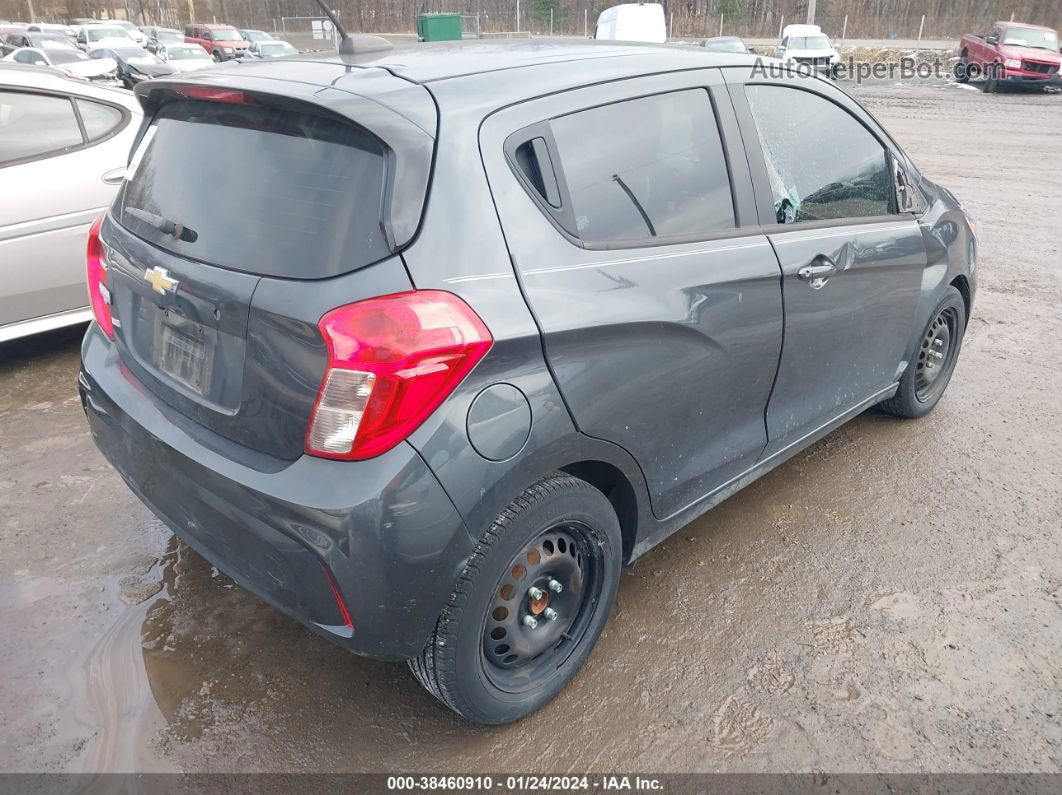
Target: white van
(632, 22)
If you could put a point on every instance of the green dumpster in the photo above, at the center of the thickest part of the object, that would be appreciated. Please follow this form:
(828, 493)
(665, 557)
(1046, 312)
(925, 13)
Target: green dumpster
(439, 27)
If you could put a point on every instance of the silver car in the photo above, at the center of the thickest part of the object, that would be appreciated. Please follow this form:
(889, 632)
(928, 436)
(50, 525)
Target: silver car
(63, 148)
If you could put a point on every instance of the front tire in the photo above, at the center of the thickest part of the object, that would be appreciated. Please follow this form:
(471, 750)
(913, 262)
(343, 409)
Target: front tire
(552, 555)
(216, 56)
(928, 374)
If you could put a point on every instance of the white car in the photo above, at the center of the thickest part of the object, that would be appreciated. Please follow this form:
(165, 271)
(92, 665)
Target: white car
(93, 37)
(71, 62)
(808, 45)
(131, 30)
(49, 27)
(64, 146)
(185, 57)
(632, 22)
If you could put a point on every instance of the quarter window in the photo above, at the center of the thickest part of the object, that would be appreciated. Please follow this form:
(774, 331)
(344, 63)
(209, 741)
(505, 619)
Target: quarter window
(645, 168)
(99, 120)
(822, 163)
(33, 125)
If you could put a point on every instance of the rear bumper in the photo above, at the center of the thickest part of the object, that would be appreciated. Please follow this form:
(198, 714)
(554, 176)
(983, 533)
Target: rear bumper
(383, 529)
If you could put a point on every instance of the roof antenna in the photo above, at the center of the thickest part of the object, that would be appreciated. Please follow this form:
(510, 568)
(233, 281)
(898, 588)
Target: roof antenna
(349, 45)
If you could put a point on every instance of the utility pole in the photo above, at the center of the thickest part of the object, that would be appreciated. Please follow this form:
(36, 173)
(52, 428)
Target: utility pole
(811, 12)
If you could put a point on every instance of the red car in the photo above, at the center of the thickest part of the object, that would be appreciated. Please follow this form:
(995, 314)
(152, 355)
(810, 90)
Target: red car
(223, 42)
(1013, 53)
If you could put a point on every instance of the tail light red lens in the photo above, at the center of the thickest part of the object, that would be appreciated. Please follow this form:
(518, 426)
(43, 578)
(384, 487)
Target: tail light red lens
(99, 294)
(392, 361)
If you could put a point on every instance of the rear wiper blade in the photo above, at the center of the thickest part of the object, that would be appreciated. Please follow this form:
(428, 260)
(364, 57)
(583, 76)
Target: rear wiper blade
(165, 225)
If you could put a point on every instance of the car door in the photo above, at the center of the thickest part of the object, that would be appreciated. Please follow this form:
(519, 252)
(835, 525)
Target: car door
(628, 212)
(63, 156)
(852, 264)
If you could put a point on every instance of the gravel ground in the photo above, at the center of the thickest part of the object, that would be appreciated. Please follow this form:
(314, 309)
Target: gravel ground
(891, 600)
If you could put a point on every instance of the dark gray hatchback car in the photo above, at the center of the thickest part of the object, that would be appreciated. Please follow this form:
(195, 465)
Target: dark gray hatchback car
(428, 343)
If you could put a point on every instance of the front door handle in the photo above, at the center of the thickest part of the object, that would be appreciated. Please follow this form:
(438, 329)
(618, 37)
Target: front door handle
(818, 273)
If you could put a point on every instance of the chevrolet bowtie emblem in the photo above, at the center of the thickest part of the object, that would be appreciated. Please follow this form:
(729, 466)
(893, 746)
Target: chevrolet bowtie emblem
(160, 280)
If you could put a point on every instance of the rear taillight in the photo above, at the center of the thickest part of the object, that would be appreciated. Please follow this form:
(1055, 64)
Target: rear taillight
(99, 295)
(391, 361)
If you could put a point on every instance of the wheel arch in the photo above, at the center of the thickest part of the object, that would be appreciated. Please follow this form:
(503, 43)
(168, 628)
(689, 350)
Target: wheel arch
(613, 483)
(962, 284)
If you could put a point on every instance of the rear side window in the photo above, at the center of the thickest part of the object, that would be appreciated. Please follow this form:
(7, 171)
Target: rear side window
(259, 189)
(812, 178)
(33, 125)
(99, 120)
(645, 168)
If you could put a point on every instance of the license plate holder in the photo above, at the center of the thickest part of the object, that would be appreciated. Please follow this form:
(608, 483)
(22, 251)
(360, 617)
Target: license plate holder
(186, 355)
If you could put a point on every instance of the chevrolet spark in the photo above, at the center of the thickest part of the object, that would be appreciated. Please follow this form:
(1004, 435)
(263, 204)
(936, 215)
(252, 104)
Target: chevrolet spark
(461, 330)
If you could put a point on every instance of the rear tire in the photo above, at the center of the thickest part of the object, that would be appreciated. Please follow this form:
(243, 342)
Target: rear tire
(482, 660)
(962, 71)
(216, 56)
(928, 374)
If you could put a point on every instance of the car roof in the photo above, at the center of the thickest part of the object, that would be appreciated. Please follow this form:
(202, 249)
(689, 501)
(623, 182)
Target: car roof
(214, 25)
(49, 79)
(548, 63)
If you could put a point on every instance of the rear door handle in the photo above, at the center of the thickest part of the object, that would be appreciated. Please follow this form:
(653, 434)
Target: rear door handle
(817, 274)
(114, 176)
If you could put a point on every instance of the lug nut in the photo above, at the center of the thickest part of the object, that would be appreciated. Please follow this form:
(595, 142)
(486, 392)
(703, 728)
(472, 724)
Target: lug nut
(550, 613)
(938, 355)
(937, 343)
(535, 593)
(929, 365)
(555, 586)
(530, 622)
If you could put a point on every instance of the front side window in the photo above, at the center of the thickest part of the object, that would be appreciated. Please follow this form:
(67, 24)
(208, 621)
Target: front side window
(822, 163)
(32, 125)
(645, 168)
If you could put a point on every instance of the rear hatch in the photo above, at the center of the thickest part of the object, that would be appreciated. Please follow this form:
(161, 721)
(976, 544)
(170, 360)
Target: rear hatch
(248, 211)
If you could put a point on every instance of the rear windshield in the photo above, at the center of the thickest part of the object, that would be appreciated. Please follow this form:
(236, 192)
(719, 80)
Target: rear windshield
(258, 189)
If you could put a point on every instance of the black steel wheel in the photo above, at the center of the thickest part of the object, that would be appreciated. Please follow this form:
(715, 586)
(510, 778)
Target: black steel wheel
(529, 605)
(933, 360)
(936, 355)
(542, 607)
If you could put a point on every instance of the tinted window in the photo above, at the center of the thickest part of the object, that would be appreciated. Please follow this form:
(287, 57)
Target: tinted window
(822, 162)
(650, 167)
(272, 191)
(99, 120)
(32, 125)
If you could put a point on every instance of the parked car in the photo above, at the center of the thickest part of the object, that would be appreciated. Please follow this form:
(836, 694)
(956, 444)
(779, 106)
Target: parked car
(63, 149)
(91, 37)
(632, 22)
(270, 49)
(131, 30)
(252, 36)
(808, 46)
(71, 62)
(49, 27)
(434, 431)
(157, 36)
(185, 57)
(223, 42)
(725, 44)
(9, 42)
(1013, 54)
(135, 64)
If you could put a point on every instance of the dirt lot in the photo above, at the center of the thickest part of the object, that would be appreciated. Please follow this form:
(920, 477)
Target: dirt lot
(891, 600)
